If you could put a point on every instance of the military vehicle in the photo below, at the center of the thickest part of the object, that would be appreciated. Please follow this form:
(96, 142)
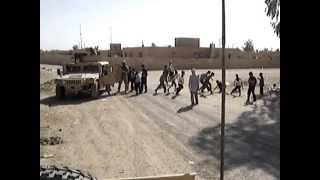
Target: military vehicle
(87, 77)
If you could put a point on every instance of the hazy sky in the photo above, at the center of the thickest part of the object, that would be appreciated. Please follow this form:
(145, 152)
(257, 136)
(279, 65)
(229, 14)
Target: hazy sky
(158, 21)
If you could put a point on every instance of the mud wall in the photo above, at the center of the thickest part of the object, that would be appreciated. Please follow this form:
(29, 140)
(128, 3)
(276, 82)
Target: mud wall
(157, 61)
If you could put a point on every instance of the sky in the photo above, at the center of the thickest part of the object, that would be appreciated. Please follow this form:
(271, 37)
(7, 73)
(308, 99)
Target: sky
(130, 22)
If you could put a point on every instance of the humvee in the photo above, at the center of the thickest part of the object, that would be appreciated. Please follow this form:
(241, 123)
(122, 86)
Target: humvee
(87, 77)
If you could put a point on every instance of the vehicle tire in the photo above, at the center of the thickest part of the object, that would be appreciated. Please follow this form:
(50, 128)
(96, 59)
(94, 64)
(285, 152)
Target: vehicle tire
(60, 92)
(53, 172)
(95, 91)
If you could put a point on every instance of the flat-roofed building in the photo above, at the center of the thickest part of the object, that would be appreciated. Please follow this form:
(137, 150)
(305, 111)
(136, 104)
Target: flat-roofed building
(187, 42)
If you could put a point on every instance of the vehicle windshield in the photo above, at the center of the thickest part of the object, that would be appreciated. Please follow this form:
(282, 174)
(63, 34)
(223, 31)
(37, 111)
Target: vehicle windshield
(73, 69)
(91, 69)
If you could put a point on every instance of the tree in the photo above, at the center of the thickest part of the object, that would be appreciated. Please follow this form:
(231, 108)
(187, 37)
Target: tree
(248, 46)
(75, 47)
(273, 11)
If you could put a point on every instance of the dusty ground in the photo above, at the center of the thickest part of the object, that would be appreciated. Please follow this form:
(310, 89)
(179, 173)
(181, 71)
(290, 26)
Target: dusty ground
(127, 135)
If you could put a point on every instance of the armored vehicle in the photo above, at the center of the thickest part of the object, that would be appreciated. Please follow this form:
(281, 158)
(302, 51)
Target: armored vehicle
(87, 77)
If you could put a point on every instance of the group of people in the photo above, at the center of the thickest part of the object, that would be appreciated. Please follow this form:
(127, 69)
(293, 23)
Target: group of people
(168, 80)
(136, 79)
(170, 77)
(238, 85)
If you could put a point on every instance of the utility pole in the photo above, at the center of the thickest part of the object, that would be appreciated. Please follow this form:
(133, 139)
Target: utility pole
(80, 38)
(223, 102)
(111, 35)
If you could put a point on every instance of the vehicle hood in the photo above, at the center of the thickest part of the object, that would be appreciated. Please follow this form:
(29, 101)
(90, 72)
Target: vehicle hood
(80, 76)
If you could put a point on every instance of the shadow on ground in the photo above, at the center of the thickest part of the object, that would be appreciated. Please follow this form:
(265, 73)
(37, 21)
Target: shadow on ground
(70, 100)
(252, 141)
(184, 109)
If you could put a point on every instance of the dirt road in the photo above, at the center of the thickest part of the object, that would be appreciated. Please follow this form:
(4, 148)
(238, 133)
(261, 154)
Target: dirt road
(127, 135)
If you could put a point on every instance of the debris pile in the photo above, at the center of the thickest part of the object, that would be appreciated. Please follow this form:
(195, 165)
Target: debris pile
(53, 172)
(48, 86)
(51, 140)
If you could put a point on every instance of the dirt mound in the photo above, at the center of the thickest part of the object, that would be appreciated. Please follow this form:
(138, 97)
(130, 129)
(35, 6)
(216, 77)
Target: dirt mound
(48, 86)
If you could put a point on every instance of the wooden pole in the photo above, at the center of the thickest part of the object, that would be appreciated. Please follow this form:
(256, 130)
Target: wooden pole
(80, 38)
(223, 95)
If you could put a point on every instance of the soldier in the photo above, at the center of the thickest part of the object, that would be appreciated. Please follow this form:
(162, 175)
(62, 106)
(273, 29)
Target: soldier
(124, 76)
(144, 76)
(162, 83)
(194, 86)
(237, 85)
(180, 82)
(252, 81)
(261, 83)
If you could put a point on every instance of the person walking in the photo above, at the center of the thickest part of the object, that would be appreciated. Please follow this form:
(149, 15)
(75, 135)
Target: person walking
(132, 79)
(207, 83)
(165, 74)
(180, 83)
(172, 79)
(171, 69)
(203, 77)
(252, 81)
(129, 76)
(237, 85)
(209, 79)
(219, 85)
(194, 86)
(144, 76)
(261, 83)
(162, 84)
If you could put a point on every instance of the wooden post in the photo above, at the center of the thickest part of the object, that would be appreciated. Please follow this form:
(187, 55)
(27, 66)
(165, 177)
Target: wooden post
(223, 95)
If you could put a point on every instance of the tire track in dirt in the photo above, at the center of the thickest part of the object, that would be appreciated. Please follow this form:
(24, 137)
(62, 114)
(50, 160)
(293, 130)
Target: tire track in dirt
(167, 157)
(176, 140)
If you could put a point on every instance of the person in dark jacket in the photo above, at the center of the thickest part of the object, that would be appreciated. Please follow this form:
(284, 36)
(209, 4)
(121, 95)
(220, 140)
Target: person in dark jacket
(219, 85)
(144, 76)
(132, 79)
(252, 81)
(162, 84)
(206, 82)
(261, 83)
(203, 77)
(180, 83)
(194, 87)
